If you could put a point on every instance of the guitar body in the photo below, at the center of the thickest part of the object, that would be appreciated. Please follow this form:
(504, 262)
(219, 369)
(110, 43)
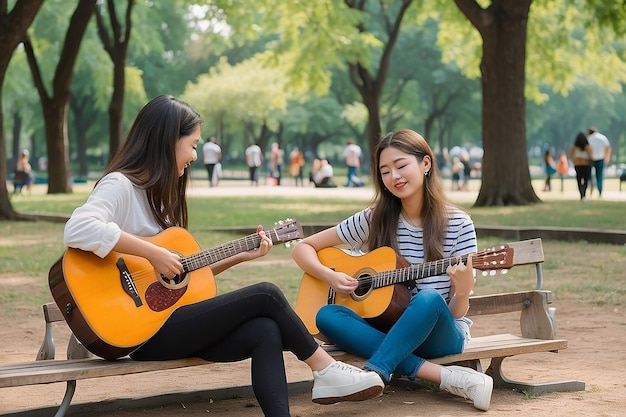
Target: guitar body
(101, 313)
(381, 306)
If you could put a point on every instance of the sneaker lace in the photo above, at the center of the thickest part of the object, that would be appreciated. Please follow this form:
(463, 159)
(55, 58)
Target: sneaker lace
(347, 367)
(461, 384)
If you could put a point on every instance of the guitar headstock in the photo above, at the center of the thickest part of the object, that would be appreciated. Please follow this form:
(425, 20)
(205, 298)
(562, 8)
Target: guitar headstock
(287, 231)
(494, 259)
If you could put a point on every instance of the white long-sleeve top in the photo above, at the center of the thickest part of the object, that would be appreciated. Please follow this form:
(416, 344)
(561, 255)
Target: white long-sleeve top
(115, 204)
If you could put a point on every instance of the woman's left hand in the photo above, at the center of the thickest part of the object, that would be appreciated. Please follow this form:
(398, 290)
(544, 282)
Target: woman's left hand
(265, 246)
(462, 277)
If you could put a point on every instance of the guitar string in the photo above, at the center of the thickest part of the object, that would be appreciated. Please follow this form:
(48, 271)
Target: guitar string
(416, 271)
(209, 256)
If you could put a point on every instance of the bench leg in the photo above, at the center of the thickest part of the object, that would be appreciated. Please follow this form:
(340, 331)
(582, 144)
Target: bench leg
(501, 381)
(67, 398)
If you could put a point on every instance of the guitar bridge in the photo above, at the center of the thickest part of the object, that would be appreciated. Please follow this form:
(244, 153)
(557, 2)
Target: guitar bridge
(331, 296)
(127, 282)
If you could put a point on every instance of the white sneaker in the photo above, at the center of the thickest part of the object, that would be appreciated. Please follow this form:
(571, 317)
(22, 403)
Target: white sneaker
(468, 383)
(342, 382)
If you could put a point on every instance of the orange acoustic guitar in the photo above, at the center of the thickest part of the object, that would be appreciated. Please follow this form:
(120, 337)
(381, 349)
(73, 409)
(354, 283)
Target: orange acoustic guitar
(115, 304)
(383, 292)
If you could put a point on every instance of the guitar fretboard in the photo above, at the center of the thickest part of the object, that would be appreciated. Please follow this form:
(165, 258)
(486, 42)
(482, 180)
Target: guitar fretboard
(414, 272)
(218, 253)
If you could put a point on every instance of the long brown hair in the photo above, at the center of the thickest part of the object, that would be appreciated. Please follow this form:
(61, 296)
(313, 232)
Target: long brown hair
(148, 157)
(386, 207)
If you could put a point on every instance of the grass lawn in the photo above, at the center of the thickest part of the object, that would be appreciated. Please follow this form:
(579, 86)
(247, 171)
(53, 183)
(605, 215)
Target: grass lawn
(578, 271)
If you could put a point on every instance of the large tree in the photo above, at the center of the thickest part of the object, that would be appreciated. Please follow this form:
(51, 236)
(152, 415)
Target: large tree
(561, 42)
(116, 40)
(55, 105)
(13, 27)
(502, 27)
(369, 78)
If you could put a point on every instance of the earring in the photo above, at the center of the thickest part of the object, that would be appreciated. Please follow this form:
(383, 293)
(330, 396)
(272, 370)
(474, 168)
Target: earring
(427, 173)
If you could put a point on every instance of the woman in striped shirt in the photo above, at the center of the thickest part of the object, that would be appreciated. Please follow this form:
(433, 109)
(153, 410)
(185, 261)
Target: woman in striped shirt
(410, 214)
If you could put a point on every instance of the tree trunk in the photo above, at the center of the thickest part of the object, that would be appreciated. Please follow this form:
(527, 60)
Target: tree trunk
(370, 86)
(116, 107)
(55, 116)
(116, 45)
(505, 174)
(55, 107)
(81, 123)
(17, 129)
(22, 16)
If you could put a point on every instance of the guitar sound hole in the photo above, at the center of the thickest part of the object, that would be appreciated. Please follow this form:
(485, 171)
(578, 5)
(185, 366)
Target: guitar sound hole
(365, 286)
(173, 282)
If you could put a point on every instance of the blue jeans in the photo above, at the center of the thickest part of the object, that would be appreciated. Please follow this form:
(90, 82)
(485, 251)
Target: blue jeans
(425, 330)
(351, 172)
(599, 168)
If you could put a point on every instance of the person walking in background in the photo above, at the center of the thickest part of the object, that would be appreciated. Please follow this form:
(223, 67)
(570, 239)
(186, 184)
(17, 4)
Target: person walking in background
(457, 168)
(143, 193)
(550, 168)
(352, 155)
(211, 155)
(580, 152)
(601, 151)
(296, 167)
(254, 159)
(466, 160)
(562, 167)
(277, 159)
(409, 213)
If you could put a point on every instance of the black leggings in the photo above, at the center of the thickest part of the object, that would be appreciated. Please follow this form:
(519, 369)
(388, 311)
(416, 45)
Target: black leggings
(253, 322)
(583, 175)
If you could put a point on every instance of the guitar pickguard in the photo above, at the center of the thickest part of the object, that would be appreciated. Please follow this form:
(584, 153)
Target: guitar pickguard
(160, 298)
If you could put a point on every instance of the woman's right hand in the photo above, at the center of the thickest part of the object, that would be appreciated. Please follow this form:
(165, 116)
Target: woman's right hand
(342, 283)
(165, 262)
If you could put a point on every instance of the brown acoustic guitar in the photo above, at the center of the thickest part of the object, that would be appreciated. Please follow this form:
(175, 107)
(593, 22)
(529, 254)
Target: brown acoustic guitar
(384, 282)
(115, 304)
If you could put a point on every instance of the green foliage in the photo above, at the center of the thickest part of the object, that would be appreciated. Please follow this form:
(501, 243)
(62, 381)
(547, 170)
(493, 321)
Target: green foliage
(250, 92)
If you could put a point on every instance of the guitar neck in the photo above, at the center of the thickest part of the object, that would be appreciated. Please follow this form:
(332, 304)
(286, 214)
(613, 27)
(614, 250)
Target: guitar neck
(213, 255)
(244, 244)
(415, 272)
(502, 257)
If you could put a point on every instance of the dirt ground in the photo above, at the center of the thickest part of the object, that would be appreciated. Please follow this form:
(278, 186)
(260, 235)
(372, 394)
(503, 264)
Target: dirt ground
(596, 355)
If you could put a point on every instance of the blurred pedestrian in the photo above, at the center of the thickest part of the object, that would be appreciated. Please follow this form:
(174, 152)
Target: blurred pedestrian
(212, 154)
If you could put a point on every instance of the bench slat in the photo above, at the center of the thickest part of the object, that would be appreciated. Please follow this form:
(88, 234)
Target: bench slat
(499, 346)
(485, 347)
(49, 371)
(506, 303)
